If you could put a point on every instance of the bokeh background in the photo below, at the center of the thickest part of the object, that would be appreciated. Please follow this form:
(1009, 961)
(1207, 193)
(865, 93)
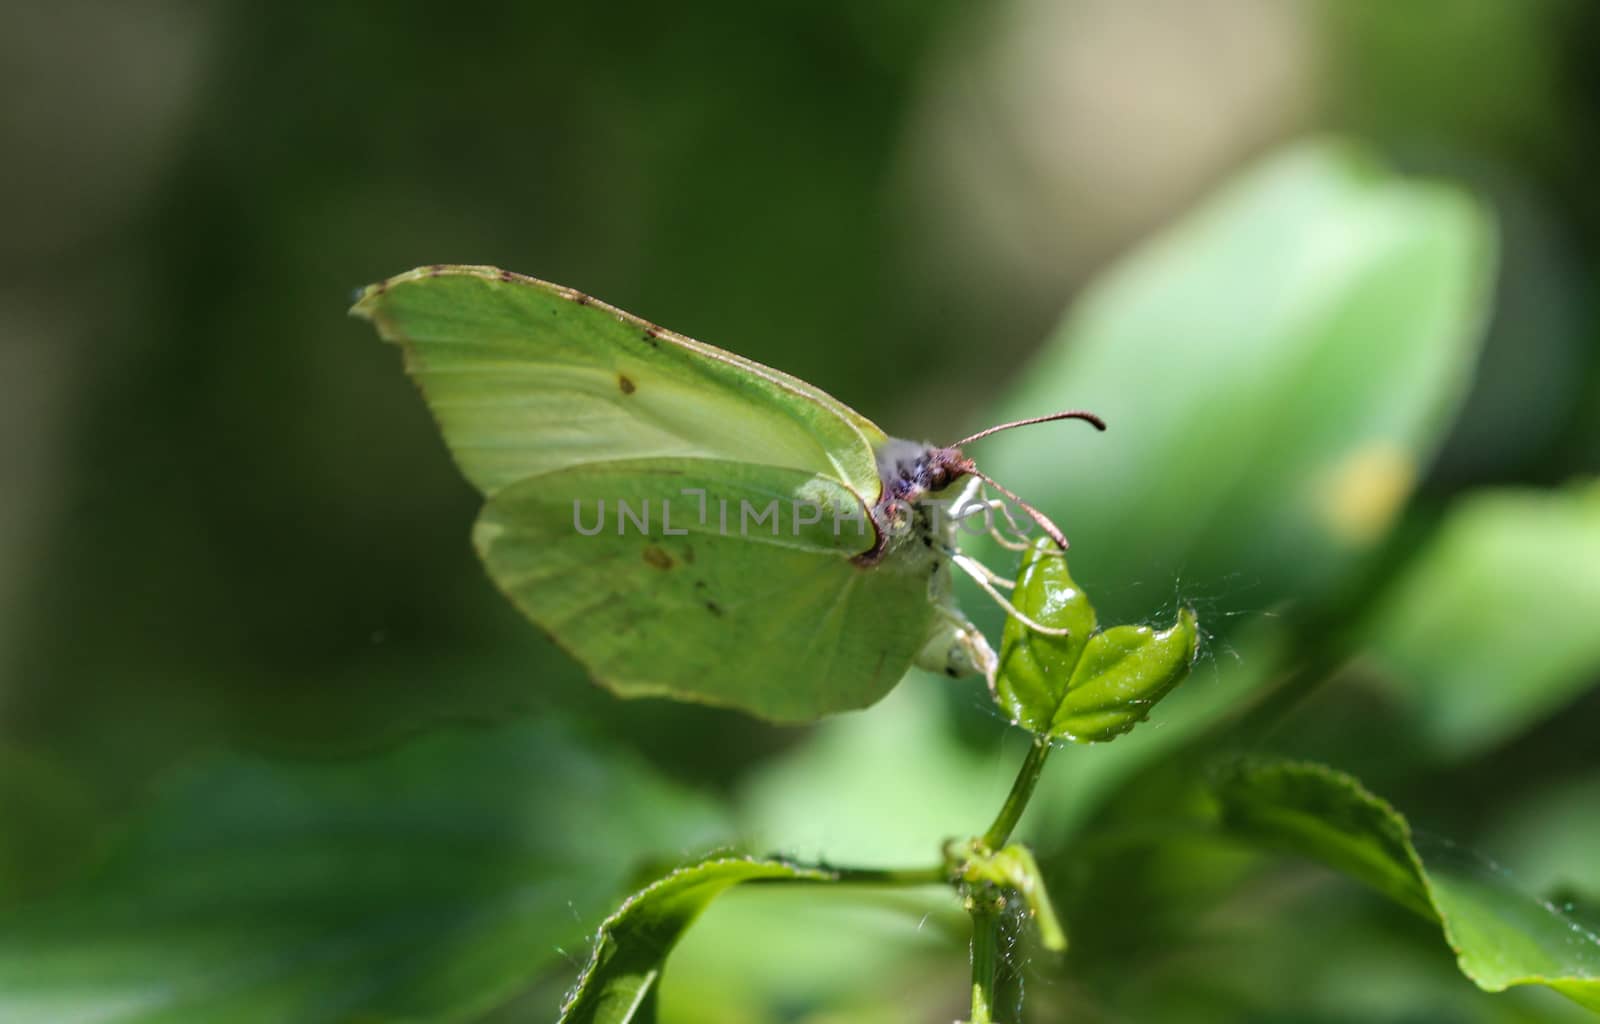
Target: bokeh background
(239, 615)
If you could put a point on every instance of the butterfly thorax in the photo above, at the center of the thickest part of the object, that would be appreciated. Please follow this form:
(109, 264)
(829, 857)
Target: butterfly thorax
(909, 471)
(916, 535)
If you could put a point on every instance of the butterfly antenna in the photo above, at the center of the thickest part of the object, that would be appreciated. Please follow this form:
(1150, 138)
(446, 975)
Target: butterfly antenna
(1039, 517)
(1070, 414)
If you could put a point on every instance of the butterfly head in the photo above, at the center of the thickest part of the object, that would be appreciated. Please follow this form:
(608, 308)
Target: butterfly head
(930, 469)
(910, 470)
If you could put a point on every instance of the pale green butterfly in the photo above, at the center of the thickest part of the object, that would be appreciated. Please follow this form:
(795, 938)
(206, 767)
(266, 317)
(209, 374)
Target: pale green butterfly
(557, 406)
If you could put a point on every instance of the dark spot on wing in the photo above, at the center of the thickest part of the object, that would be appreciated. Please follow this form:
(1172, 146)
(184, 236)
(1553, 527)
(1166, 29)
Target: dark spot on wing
(628, 387)
(714, 608)
(700, 584)
(653, 336)
(581, 299)
(658, 558)
(436, 269)
(506, 275)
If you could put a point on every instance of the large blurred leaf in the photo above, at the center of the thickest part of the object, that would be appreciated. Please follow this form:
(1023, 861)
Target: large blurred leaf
(884, 787)
(1493, 626)
(1502, 936)
(1274, 369)
(427, 884)
(624, 970)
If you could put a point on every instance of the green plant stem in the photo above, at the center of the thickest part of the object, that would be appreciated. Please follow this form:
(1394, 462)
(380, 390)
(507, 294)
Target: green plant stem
(981, 898)
(936, 874)
(985, 956)
(1017, 799)
(901, 878)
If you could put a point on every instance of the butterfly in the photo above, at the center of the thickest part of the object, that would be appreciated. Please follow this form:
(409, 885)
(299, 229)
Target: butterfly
(688, 523)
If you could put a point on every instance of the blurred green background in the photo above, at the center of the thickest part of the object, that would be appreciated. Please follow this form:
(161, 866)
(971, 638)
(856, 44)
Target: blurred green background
(239, 610)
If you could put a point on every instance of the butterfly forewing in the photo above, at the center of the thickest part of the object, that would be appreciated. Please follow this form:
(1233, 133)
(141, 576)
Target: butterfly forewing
(527, 377)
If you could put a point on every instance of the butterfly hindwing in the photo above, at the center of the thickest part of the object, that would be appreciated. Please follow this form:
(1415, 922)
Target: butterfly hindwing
(742, 609)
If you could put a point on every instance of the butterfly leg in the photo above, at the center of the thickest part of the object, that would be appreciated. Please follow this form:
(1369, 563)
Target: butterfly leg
(971, 565)
(980, 575)
(1020, 541)
(1017, 541)
(1009, 545)
(967, 507)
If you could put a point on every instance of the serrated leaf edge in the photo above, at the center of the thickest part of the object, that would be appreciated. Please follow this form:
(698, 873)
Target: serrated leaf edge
(1244, 765)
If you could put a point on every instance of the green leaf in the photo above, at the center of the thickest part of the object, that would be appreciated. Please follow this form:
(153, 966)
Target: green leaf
(1088, 686)
(1035, 667)
(1274, 368)
(1492, 627)
(1502, 936)
(1067, 801)
(432, 882)
(1123, 673)
(631, 947)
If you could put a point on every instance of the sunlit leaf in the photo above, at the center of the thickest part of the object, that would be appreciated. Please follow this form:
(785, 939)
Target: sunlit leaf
(1035, 667)
(430, 883)
(1502, 936)
(1086, 686)
(1123, 673)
